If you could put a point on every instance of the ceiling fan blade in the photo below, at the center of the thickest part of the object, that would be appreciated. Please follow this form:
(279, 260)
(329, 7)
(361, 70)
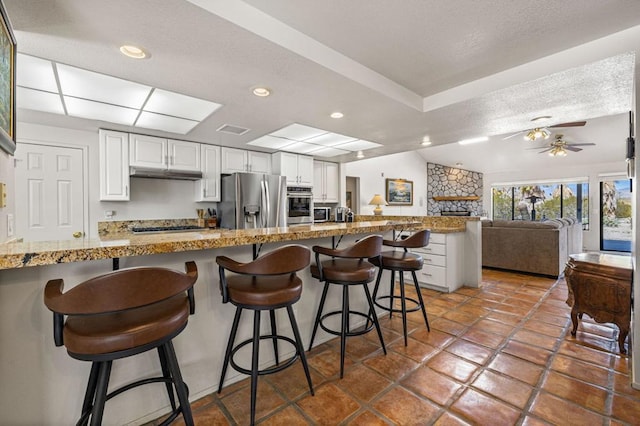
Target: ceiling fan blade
(572, 148)
(545, 150)
(571, 124)
(581, 144)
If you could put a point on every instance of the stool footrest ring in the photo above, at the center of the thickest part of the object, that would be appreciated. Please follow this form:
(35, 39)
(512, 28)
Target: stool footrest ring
(270, 370)
(365, 330)
(386, 308)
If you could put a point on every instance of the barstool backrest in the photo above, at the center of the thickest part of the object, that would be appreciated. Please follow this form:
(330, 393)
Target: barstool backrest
(284, 260)
(365, 248)
(417, 240)
(117, 291)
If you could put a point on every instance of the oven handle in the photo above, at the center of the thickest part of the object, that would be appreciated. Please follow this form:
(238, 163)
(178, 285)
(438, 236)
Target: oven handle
(300, 195)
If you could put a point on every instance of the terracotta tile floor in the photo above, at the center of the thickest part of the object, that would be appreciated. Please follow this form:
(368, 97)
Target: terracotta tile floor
(498, 355)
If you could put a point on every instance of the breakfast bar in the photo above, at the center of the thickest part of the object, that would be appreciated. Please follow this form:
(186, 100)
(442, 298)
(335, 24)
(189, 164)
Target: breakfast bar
(30, 364)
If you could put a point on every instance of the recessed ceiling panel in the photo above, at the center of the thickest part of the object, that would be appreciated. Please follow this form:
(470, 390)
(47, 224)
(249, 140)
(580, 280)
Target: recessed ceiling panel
(39, 101)
(298, 132)
(302, 148)
(35, 73)
(329, 152)
(330, 139)
(178, 105)
(167, 123)
(84, 84)
(358, 145)
(272, 142)
(99, 111)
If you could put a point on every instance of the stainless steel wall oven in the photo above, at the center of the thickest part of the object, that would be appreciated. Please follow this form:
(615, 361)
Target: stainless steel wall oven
(299, 205)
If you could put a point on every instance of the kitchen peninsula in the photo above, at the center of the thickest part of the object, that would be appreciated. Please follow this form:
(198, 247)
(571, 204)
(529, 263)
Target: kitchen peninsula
(30, 364)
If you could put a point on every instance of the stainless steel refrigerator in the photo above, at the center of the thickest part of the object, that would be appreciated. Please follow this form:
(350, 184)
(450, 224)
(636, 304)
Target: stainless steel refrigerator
(251, 200)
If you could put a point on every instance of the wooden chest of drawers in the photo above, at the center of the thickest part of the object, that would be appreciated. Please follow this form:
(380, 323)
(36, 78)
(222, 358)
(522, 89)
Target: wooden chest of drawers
(600, 286)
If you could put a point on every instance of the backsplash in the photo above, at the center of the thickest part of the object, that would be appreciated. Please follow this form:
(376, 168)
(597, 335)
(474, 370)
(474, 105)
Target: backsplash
(452, 182)
(124, 226)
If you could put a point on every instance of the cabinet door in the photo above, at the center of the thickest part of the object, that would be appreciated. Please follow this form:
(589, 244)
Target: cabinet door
(331, 182)
(148, 151)
(259, 162)
(208, 188)
(114, 165)
(233, 160)
(184, 155)
(305, 170)
(318, 181)
(286, 164)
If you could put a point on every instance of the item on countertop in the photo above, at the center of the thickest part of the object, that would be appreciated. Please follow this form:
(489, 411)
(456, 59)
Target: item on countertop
(201, 221)
(212, 221)
(341, 214)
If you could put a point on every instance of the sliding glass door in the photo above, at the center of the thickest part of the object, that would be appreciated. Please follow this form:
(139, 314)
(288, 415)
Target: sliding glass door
(615, 215)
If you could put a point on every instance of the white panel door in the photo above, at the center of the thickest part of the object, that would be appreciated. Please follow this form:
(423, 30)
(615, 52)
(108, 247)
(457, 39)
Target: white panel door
(318, 181)
(305, 170)
(259, 162)
(208, 188)
(49, 193)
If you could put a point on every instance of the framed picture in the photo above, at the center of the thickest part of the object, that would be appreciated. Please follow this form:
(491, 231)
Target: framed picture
(399, 192)
(7, 84)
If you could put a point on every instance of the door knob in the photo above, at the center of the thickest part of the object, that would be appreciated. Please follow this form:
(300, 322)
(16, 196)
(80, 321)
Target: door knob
(78, 234)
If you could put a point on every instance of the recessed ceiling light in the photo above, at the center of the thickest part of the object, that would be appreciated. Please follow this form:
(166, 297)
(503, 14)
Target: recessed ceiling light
(261, 91)
(473, 140)
(337, 114)
(359, 154)
(426, 141)
(134, 52)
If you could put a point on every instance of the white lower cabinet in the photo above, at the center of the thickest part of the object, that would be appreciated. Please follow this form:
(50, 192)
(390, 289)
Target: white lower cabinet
(443, 262)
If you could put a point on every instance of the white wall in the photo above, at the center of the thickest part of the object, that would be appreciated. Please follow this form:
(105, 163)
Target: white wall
(6, 177)
(150, 198)
(595, 173)
(373, 172)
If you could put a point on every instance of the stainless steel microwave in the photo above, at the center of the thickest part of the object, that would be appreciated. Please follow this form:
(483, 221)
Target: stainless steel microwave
(321, 214)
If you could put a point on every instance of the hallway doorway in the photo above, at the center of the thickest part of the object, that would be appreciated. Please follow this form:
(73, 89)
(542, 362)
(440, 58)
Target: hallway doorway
(352, 194)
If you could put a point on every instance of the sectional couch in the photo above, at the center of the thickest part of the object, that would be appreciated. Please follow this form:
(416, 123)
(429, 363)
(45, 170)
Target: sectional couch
(526, 246)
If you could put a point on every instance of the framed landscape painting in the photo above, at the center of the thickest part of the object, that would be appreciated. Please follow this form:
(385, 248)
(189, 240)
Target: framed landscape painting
(399, 192)
(7, 84)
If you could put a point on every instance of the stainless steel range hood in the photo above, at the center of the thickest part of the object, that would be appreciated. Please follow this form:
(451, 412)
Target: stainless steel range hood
(145, 172)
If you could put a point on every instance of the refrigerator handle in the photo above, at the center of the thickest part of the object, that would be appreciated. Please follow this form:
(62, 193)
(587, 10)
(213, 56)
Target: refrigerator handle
(263, 208)
(268, 203)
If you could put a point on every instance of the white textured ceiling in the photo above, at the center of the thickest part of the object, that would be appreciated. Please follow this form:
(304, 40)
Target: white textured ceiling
(397, 70)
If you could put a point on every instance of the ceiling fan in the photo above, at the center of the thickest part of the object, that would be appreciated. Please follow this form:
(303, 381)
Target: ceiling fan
(559, 147)
(544, 132)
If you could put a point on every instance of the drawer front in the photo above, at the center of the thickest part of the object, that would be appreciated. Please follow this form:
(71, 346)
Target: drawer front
(436, 275)
(438, 238)
(439, 249)
(434, 259)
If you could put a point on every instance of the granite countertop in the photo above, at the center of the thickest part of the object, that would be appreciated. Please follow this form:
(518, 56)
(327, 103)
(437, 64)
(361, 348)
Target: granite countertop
(124, 244)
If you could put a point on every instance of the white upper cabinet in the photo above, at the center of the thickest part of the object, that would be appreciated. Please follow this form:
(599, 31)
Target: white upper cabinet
(114, 165)
(183, 155)
(326, 182)
(240, 160)
(297, 168)
(208, 188)
(160, 153)
(148, 151)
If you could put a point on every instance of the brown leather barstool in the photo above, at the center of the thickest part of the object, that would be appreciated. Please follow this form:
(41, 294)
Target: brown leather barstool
(120, 314)
(268, 283)
(349, 267)
(401, 261)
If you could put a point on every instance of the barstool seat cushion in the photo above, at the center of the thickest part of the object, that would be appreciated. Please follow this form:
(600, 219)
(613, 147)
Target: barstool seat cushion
(345, 270)
(112, 332)
(399, 260)
(264, 290)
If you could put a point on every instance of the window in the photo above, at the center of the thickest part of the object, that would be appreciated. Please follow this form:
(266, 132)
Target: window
(615, 215)
(542, 201)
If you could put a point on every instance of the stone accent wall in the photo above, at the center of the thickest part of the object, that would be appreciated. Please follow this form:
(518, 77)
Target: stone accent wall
(449, 181)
